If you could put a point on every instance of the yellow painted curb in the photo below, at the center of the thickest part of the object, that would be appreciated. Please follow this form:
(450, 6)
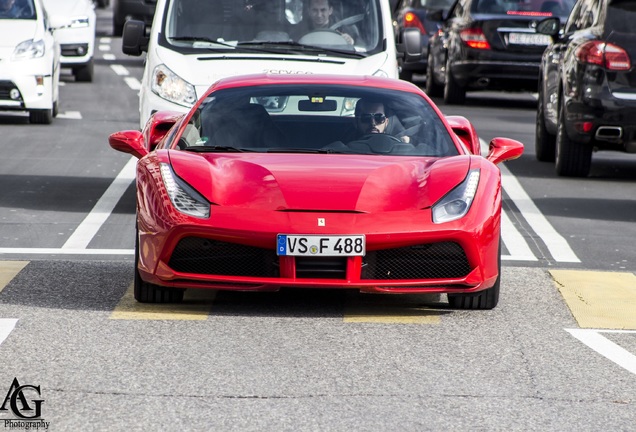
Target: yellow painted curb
(196, 305)
(9, 270)
(601, 300)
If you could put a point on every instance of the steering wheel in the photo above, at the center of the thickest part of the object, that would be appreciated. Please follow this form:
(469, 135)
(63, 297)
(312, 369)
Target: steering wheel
(322, 37)
(347, 21)
(379, 143)
(378, 137)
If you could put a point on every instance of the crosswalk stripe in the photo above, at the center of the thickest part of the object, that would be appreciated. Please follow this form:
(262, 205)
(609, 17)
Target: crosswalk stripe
(6, 327)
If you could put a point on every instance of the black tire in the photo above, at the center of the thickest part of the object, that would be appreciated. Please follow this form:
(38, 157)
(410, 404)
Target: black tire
(433, 88)
(118, 28)
(545, 143)
(56, 108)
(454, 94)
(486, 299)
(84, 73)
(406, 75)
(149, 293)
(41, 116)
(573, 159)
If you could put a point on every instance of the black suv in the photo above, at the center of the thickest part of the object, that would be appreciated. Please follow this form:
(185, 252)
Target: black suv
(587, 88)
(489, 44)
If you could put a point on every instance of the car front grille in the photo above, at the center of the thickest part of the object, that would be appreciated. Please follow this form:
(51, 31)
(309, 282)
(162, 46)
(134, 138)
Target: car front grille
(425, 261)
(205, 256)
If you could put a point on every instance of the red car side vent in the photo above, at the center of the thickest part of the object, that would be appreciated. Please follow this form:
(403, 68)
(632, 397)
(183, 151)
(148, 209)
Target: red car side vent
(607, 55)
(474, 38)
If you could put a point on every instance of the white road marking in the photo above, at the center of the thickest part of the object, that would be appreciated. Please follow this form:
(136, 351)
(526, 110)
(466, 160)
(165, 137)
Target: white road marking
(133, 83)
(608, 349)
(556, 244)
(6, 326)
(109, 56)
(72, 115)
(514, 242)
(104, 47)
(119, 70)
(65, 251)
(85, 232)
(104, 40)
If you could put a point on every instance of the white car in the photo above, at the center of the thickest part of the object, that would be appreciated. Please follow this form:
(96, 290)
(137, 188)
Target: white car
(77, 39)
(29, 59)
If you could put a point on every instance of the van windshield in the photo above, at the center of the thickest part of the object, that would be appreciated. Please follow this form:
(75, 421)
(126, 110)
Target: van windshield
(338, 27)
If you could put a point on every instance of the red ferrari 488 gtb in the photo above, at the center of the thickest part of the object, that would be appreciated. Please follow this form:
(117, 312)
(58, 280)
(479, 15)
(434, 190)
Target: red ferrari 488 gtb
(315, 181)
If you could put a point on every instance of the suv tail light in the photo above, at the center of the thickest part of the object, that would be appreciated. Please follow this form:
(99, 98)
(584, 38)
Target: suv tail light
(411, 20)
(607, 55)
(474, 38)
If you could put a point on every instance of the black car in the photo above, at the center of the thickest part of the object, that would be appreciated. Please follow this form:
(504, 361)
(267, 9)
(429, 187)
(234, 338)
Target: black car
(123, 10)
(417, 14)
(587, 89)
(490, 44)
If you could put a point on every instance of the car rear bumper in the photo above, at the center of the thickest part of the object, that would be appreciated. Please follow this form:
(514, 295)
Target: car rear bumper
(496, 74)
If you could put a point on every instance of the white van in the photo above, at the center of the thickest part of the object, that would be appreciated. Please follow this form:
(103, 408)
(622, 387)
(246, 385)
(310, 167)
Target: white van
(193, 43)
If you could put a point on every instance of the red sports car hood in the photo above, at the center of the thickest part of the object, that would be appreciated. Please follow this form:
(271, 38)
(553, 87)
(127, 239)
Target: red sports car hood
(320, 182)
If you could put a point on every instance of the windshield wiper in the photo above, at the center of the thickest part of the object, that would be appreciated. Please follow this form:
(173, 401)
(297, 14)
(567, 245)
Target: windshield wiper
(304, 150)
(302, 47)
(219, 149)
(217, 42)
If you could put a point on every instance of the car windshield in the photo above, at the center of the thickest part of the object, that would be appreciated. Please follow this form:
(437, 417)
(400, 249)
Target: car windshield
(338, 27)
(560, 8)
(317, 119)
(17, 9)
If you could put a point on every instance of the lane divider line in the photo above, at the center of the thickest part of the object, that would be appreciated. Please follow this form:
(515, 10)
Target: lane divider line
(89, 227)
(608, 349)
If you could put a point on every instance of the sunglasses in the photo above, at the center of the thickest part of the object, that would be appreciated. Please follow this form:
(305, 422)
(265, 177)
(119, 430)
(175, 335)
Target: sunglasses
(377, 118)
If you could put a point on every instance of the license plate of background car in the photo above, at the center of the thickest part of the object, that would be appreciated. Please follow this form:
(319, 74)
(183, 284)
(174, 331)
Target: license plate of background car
(528, 39)
(319, 245)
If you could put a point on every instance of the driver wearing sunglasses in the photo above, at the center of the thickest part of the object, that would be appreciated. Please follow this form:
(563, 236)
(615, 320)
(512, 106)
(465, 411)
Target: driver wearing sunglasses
(371, 118)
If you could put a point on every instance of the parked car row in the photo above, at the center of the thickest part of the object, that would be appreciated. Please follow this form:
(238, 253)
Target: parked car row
(38, 39)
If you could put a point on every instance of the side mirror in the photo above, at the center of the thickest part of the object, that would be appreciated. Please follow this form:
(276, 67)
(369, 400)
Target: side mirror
(549, 26)
(503, 149)
(158, 126)
(465, 130)
(134, 40)
(130, 141)
(411, 47)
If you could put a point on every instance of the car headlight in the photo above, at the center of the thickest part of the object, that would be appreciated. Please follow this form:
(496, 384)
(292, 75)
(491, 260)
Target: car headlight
(184, 198)
(79, 21)
(456, 203)
(29, 49)
(172, 87)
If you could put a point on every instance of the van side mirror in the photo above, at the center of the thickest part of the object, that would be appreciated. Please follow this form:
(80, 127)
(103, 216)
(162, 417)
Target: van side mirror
(134, 40)
(549, 26)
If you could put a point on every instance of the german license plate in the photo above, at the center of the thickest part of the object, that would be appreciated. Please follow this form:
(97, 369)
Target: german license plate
(528, 39)
(319, 245)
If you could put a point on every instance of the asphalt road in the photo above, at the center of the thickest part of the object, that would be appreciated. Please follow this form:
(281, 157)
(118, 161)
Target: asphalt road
(557, 354)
